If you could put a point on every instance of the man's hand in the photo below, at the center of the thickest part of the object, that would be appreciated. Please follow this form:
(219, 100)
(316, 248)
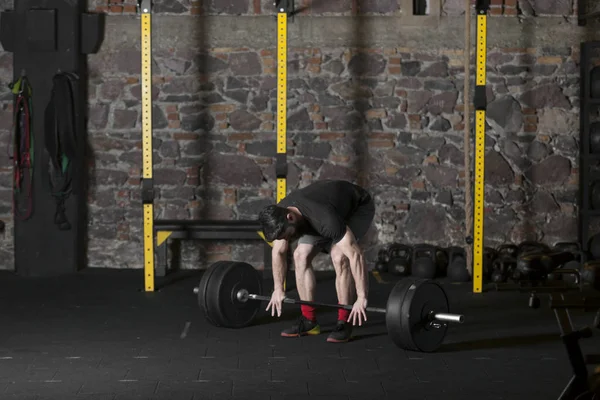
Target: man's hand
(276, 301)
(358, 313)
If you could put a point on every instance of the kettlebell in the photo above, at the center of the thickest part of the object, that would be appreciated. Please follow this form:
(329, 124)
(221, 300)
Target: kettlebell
(595, 138)
(442, 261)
(457, 268)
(595, 246)
(382, 260)
(575, 249)
(530, 246)
(595, 82)
(504, 264)
(400, 256)
(591, 274)
(489, 255)
(424, 261)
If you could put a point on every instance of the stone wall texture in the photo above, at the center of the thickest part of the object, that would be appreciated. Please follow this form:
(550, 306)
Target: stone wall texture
(389, 117)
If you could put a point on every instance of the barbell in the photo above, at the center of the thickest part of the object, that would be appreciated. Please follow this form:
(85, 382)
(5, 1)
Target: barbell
(416, 314)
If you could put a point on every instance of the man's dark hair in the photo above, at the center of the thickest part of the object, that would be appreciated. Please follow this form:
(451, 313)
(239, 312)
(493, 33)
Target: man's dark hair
(273, 220)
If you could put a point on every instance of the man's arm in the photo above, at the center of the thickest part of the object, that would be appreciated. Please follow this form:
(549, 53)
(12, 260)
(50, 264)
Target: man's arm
(279, 260)
(350, 248)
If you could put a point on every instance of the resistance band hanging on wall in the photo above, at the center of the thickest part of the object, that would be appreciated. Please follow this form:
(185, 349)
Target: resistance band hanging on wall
(22, 152)
(147, 180)
(480, 103)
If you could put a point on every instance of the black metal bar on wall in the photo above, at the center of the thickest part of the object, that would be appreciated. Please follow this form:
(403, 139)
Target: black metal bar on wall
(49, 40)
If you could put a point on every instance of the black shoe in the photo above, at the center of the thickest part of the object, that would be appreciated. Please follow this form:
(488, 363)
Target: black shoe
(342, 332)
(304, 326)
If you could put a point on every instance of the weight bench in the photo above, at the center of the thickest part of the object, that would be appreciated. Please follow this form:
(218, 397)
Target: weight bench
(166, 229)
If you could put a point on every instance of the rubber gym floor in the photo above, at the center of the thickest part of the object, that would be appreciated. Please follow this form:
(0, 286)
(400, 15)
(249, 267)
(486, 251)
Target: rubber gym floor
(95, 335)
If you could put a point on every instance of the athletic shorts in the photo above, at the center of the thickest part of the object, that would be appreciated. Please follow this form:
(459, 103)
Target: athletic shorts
(359, 223)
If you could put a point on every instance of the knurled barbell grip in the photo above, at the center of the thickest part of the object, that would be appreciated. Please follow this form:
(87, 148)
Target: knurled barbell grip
(312, 303)
(447, 317)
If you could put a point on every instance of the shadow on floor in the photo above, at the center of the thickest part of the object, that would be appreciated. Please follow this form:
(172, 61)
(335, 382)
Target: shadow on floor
(494, 343)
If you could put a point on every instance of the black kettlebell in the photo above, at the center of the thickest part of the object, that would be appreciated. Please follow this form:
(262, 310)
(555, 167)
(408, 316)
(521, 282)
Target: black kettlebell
(442, 261)
(400, 259)
(381, 265)
(489, 255)
(595, 138)
(591, 274)
(424, 261)
(457, 268)
(595, 82)
(575, 249)
(504, 263)
(595, 246)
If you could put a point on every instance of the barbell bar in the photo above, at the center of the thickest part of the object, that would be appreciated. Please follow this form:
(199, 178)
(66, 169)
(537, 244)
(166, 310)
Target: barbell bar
(416, 314)
(243, 296)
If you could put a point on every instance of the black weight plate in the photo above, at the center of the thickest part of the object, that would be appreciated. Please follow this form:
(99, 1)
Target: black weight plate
(223, 305)
(204, 282)
(409, 304)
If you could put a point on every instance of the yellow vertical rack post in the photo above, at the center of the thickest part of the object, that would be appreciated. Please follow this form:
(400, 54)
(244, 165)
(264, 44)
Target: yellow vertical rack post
(281, 161)
(480, 104)
(281, 169)
(147, 180)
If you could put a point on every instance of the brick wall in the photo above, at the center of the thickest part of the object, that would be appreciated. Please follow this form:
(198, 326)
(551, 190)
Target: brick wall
(388, 117)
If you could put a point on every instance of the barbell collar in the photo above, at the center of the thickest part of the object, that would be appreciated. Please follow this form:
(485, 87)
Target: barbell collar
(446, 317)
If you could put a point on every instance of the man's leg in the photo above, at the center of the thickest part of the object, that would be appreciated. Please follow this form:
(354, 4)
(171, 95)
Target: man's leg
(344, 282)
(344, 286)
(305, 283)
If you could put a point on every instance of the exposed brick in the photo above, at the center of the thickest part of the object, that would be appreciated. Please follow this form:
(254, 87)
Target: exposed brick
(391, 171)
(401, 206)
(549, 60)
(340, 158)
(418, 184)
(185, 136)
(395, 70)
(223, 108)
(376, 113)
(510, 11)
(544, 138)
(174, 124)
(269, 62)
(530, 128)
(495, 10)
(267, 126)
(395, 60)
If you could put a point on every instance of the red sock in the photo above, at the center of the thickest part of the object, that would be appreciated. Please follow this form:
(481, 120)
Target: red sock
(343, 314)
(308, 312)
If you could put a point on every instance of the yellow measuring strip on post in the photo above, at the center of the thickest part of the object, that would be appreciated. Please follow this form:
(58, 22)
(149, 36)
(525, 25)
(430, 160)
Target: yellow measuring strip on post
(147, 183)
(480, 107)
(281, 166)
